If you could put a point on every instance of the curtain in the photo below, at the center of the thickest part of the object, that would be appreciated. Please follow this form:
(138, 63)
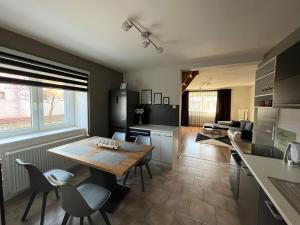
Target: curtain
(223, 105)
(202, 107)
(15, 69)
(185, 109)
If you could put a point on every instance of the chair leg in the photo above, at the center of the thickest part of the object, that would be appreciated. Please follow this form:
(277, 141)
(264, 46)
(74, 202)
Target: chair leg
(32, 197)
(149, 171)
(81, 220)
(104, 216)
(66, 218)
(126, 177)
(43, 207)
(142, 178)
(90, 220)
(56, 193)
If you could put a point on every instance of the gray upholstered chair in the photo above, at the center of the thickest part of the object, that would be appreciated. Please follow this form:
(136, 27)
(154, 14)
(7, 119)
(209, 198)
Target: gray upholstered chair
(82, 201)
(145, 140)
(40, 183)
(120, 136)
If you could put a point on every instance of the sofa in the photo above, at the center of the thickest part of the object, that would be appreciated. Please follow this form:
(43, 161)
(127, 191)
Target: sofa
(244, 127)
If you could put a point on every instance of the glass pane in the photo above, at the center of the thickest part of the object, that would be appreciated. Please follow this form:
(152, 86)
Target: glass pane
(54, 106)
(15, 105)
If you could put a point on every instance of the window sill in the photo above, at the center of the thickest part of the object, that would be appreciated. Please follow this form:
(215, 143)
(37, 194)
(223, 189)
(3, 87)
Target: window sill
(23, 141)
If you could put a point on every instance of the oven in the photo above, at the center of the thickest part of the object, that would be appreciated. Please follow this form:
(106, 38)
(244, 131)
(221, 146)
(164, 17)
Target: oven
(234, 177)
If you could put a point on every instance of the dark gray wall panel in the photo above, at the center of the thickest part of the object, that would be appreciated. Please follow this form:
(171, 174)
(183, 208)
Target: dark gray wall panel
(102, 79)
(161, 115)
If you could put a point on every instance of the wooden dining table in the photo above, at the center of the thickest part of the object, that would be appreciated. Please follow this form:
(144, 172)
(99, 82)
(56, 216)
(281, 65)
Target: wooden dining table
(105, 164)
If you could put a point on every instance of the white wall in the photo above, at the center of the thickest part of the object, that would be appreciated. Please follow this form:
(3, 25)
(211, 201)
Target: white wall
(166, 80)
(242, 98)
(289, 119)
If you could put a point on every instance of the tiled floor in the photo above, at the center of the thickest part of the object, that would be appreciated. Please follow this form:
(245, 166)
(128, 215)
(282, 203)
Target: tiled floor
(194, 192)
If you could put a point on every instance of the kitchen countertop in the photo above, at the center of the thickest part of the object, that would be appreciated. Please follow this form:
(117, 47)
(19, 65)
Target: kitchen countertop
(155, 127)
(262, 168)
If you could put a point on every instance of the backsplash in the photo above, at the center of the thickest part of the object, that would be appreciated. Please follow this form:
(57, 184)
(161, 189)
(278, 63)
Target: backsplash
(162, 115)
(289, 119)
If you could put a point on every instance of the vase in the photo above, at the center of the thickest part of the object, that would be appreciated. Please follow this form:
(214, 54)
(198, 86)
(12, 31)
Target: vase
(140, 120)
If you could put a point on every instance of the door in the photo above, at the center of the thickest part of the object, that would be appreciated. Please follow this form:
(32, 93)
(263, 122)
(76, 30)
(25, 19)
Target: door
(265, 126)
(155, 138)
(166, 147)
(248, 197)
(118, 109)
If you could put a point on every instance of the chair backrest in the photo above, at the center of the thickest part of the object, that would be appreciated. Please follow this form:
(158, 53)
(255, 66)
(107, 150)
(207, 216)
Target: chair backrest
(72, 201)
(38, 182)
(120, 136)
(144, 140)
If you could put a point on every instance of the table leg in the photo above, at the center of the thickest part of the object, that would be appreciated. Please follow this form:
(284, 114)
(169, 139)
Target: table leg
(109, 181)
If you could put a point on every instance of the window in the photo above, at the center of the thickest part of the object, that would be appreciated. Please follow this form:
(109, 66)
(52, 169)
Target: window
(202, 107)
(26, 109)
(15, 107)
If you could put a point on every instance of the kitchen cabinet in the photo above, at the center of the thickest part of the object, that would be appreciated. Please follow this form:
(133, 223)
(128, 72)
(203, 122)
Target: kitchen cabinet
(163, 139)
(166, 147)
(248, 197)
(267, 213)
(156, 141)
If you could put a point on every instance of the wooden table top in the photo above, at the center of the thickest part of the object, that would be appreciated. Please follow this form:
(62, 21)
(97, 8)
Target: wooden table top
(89, 150)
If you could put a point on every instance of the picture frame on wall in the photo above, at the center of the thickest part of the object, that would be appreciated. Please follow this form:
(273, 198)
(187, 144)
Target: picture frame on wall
(157, 98)
(166, 101)
(146, 97)
(123, 86)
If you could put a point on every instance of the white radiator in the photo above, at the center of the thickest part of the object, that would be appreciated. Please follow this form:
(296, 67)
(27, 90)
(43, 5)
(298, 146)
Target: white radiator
(16, 177)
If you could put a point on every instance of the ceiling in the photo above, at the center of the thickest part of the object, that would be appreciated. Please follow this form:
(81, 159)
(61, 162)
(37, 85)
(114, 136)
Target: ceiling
(189, 30)
(224, 77)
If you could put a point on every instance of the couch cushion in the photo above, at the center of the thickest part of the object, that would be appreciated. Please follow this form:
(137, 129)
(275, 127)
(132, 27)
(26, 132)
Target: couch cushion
(243, 124)
(248, 126)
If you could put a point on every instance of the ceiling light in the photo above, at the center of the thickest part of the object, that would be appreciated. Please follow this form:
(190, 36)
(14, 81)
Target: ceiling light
(145, 35)
(159, 49)
(126, 26)
(146, 43)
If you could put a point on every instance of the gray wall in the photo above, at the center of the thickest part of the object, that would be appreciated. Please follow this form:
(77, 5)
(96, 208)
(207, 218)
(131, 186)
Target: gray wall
(283, 45)
(102, 79)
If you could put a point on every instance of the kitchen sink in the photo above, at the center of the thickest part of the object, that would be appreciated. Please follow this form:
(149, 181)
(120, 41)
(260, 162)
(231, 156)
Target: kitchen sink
(290, 190)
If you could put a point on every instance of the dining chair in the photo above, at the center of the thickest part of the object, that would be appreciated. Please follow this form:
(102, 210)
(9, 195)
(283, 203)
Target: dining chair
(83, 200)
(40, 183)
(145, 140)
(120, 136)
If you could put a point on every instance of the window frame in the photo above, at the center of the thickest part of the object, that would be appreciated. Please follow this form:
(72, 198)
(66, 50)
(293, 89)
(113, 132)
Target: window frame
(37, 115)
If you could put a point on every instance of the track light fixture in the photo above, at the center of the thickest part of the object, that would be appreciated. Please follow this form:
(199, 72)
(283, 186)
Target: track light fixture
(127, 25)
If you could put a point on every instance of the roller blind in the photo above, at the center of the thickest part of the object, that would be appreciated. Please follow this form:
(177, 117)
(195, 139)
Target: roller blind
(20, 70)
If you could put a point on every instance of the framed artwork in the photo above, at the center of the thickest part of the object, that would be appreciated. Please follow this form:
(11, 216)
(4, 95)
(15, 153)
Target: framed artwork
(157, 98)
(166, 101)
(146, 96)
(123, 86)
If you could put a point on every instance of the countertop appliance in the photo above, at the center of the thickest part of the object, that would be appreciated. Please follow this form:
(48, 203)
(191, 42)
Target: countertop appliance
(122, 104)
(292, 154)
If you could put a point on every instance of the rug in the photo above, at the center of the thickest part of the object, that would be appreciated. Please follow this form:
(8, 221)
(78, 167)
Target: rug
(207, 139)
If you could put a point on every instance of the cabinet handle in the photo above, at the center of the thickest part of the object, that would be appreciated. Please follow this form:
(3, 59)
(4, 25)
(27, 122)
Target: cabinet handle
(246, 171)
(271, 208)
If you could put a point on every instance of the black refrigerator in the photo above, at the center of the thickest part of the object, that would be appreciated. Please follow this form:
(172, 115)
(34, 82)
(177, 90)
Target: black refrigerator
(122, 104)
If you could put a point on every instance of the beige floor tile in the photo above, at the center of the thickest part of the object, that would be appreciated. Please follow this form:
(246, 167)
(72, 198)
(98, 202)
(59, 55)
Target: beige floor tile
(192, 192)
(173, 186)
(178, 204)
(182, 219)
(156, 217)
(203, 212)
(224, 218)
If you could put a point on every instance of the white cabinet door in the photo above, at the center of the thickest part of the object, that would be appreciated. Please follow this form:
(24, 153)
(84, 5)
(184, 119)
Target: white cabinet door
(166, 147)
(155, 138)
